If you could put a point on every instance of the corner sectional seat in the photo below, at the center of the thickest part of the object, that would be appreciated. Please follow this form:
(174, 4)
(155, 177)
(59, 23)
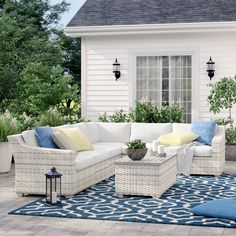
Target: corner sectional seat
(81, 170)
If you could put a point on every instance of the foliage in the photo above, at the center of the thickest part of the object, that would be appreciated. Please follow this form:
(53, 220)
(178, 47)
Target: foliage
(71, 51)
(230, 135)
(119, 116)
(136, 144)
(30, 36)
(146, 112)
(41, 87)
(26, 122)
(8, 126)
(223, 121)
(223, 95)
(52, 117)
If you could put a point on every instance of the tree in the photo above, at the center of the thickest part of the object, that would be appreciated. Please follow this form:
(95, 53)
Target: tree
(223, 96)
(41, 87)
(28, 37)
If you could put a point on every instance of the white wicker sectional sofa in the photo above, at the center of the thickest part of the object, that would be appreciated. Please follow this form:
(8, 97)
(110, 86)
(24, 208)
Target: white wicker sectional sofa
(81, 170)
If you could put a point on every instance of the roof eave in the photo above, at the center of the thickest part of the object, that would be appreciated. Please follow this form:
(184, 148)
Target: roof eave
(150, 28)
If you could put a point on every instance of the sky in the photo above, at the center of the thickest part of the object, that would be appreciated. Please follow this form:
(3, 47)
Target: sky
(74, 7)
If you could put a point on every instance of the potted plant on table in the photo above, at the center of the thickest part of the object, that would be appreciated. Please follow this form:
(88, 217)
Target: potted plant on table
(8, 126)
(223, 96)
(136, 150)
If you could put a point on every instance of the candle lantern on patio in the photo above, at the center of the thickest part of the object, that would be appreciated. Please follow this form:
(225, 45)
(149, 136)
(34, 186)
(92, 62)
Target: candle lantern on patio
(53, 187)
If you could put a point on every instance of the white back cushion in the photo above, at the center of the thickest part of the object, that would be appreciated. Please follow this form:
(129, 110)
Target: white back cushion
(30, 138)
(92, 132)
(149, 132)
(114, 132)
(177, 127)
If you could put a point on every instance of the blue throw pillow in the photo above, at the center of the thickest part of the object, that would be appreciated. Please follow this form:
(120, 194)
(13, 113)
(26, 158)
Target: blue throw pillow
(205, 130)
(222, 208)
(44, 137)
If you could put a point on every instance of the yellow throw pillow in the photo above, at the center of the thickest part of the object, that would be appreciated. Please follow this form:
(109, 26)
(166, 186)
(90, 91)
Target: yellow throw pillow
(77, 139)
(177, 139)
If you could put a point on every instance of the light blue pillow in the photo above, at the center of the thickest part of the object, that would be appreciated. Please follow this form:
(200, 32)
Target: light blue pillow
(44, 137)
(205, 130)
(221, 208)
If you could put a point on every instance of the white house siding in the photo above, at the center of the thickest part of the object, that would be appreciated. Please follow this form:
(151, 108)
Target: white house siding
(101, 93)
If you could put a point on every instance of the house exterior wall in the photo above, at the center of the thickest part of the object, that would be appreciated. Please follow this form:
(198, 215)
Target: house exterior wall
(101, 93)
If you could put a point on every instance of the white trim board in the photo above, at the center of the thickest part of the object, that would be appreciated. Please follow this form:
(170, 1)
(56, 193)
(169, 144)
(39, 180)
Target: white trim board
(133, 53)
(151, 28)
(83, 78)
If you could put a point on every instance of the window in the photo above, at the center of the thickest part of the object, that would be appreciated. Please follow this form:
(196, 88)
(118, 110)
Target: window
(165, 80)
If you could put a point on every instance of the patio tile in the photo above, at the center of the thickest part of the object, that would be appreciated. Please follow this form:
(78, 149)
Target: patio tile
(206, 231)
(229, 232)
(13, 225)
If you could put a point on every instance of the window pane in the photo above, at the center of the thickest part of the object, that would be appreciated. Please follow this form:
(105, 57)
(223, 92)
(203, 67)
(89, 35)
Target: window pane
(165, 73)
(152, 73)
(141, 73)
(153, 62)
(175, 61)
(165, 61)
(187, 61)
(141, 61)
(165, 84)
(142, 84)
(141, 95)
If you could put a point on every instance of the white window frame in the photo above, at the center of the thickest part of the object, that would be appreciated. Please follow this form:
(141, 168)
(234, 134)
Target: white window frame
(193, 52)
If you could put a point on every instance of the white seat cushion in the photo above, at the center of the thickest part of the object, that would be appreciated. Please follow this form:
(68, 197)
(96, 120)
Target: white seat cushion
(29, 138)
(114, 132)
(202, 151)
(102, 151)
(149, 132)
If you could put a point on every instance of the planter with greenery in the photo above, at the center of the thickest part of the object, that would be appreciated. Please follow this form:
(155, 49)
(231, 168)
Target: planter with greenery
(136, 150)
(8, 126)
(223, 96)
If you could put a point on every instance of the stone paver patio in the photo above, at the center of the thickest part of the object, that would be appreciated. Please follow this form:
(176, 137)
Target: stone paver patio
(11, 225)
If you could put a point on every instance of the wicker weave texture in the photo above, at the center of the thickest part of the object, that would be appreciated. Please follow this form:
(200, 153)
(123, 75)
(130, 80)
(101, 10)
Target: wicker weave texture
(33, 162)
(213, 165)
(143, 178)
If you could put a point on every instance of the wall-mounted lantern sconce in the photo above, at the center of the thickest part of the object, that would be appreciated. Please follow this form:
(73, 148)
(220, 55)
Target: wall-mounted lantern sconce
(211, 68)
(116, 69)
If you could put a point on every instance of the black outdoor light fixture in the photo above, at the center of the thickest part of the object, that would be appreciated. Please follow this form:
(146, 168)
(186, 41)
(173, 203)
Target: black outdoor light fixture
(53, 187)
(116, 69)
(211, 68)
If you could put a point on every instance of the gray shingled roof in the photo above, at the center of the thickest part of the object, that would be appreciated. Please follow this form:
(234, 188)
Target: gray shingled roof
(133, 12)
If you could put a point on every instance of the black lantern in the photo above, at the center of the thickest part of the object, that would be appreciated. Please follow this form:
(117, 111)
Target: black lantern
(211, 68)
(116, 69)
(53, 187)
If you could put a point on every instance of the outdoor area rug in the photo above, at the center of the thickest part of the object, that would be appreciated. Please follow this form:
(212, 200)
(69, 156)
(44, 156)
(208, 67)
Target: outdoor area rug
(101, 203)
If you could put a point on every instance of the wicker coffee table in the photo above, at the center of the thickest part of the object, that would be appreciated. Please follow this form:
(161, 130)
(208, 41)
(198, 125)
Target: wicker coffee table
(151, 176)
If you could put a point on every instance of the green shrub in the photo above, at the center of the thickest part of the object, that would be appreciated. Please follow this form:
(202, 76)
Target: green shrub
(135, 144)
(8, 126)
(146, 112)
(230, 135)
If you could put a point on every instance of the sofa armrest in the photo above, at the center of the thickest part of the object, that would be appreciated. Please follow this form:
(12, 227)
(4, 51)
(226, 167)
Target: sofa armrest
(218, 144)
(219, 138)
(25, 153)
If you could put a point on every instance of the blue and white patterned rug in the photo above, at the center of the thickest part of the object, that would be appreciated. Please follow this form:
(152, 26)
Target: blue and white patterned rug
(101, 203)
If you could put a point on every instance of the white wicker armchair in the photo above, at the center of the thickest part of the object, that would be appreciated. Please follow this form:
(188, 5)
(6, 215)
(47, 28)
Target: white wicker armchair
(31, 164)
(213, 165)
